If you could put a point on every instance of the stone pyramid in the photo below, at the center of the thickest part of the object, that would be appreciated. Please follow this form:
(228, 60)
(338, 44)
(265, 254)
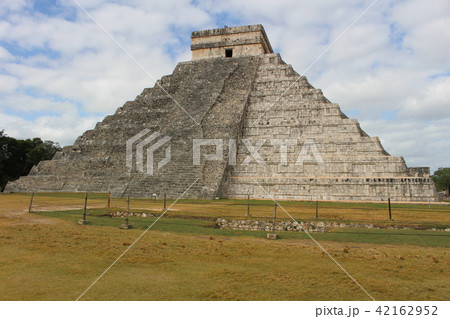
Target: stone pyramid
(262, 130)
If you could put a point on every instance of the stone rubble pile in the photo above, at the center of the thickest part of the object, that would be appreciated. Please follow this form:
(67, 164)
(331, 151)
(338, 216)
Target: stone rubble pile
(311, 227)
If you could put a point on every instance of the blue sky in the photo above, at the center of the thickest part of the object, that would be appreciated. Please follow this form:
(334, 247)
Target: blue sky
(60, 74)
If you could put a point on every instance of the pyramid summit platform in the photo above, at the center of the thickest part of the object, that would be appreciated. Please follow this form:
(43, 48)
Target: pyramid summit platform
(267, 131)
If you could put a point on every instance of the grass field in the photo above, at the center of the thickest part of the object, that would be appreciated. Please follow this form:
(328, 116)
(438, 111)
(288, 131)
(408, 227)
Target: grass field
(411, 214)
(47, 256)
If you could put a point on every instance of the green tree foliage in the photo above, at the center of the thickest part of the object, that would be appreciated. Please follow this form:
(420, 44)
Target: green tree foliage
(442, 179)
(17, 157)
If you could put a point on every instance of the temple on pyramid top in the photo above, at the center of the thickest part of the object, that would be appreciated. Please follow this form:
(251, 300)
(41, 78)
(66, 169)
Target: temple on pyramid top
(230, 42)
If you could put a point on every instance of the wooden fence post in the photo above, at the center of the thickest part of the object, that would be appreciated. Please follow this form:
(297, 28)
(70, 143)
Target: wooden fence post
(85, 205)
(273, 235)
(31, 202)
(390, 210)
(84, 221)
(127, 224)
(274, 215)
(128, 210)
(317, 209)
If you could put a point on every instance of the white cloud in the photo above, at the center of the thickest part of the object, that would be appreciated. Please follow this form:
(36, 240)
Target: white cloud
(8, 83)
(424, 143)
(431, 103)
(88, 66)
(424, 28)
(48, 127)
(12, 5)
(5, 55)
(26, 104)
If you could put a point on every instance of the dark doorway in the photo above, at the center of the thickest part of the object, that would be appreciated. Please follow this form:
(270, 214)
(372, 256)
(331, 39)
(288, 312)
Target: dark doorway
(228, 53)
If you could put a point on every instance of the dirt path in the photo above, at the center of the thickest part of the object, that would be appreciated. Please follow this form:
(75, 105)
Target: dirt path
(22, 217)
(18, 215)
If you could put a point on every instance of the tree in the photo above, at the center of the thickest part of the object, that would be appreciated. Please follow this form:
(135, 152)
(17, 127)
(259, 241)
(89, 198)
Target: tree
(17, 157)
(442, 179)
(3, 157)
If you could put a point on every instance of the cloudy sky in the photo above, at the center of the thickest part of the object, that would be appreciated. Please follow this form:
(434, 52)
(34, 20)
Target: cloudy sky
(60, 73)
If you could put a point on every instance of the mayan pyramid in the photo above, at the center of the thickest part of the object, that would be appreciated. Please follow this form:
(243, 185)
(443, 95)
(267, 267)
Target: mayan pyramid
(237, 91)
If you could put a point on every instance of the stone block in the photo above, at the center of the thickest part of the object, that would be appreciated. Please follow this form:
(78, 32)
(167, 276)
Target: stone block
(83, 222)
(272, 236)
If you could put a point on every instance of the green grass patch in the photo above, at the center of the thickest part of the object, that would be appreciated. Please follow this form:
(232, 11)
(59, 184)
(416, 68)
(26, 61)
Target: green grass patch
(100, 217)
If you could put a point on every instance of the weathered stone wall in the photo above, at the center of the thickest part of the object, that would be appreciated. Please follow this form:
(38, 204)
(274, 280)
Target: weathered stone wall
(214, 92)
(355, 166)
(262, 225)
(244, 41)
(267, 225)
(238, 51)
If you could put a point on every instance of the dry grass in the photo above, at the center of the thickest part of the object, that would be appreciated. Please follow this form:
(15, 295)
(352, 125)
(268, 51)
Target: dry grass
(59, 261)
(51, 259)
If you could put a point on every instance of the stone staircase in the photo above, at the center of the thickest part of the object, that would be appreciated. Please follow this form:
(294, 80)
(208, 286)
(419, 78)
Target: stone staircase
(213, 92)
